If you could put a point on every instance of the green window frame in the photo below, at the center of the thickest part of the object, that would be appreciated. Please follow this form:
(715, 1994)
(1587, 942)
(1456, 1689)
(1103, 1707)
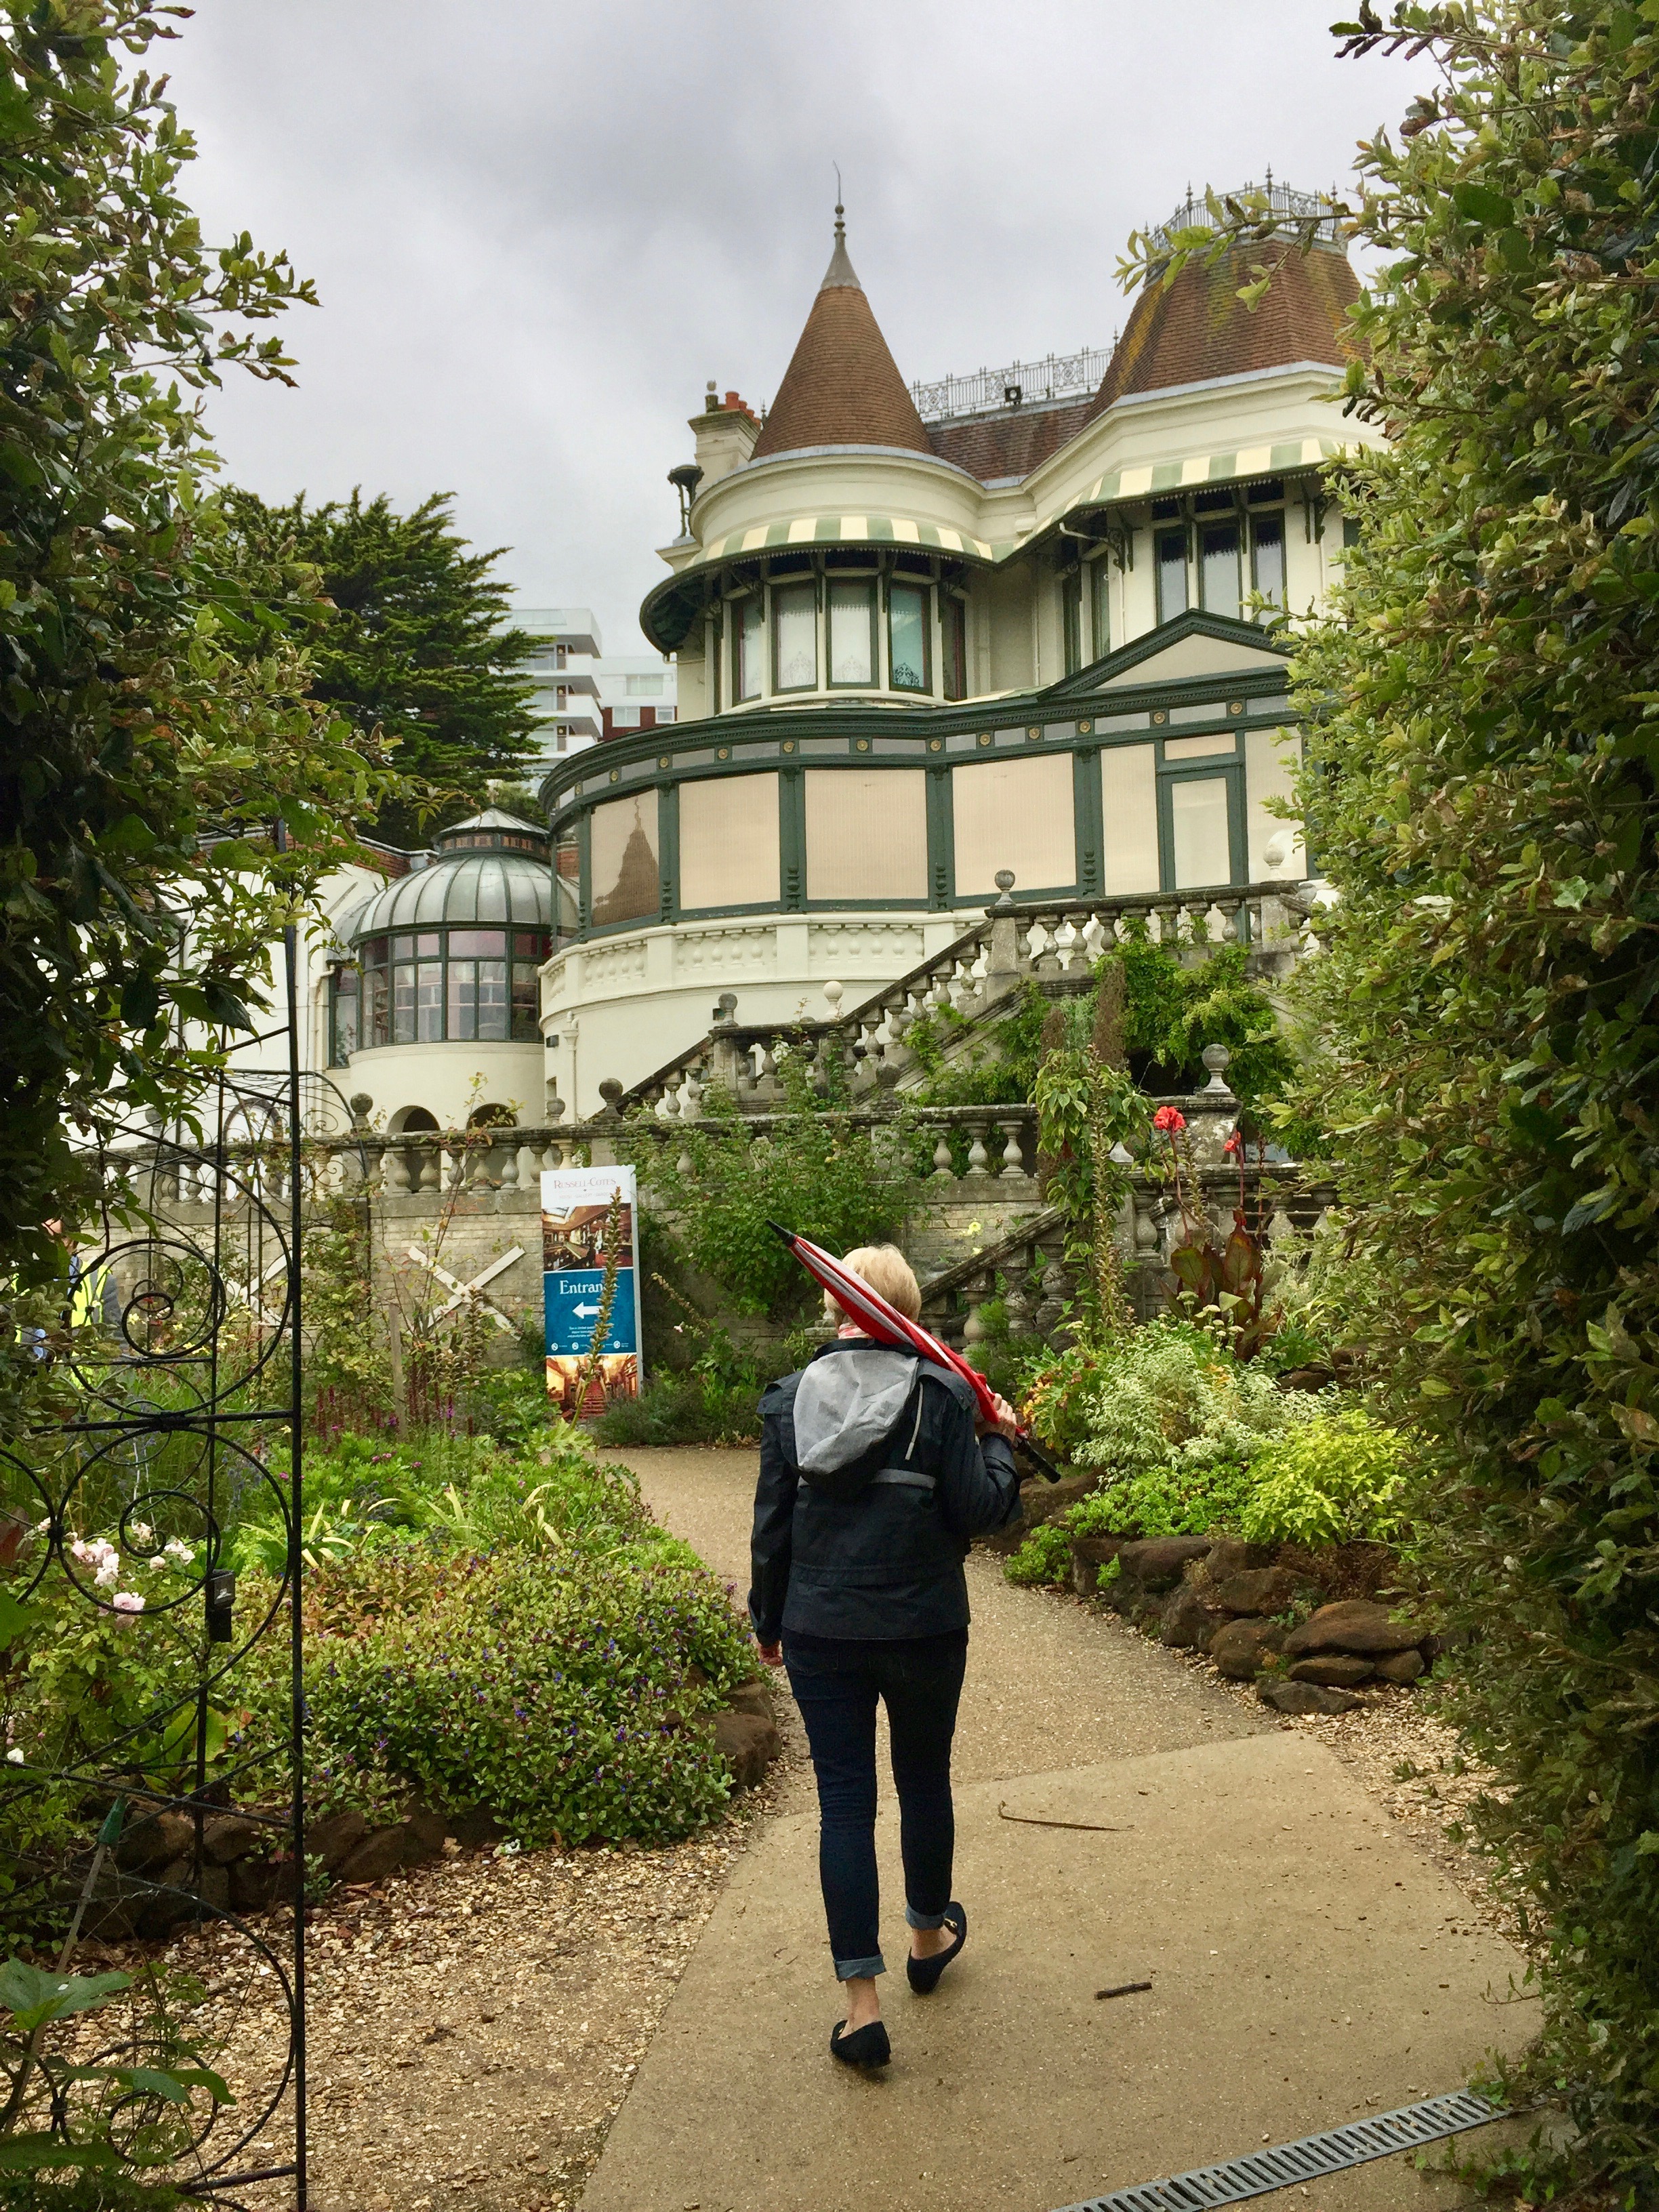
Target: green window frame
(910, 625)
(1230, 774)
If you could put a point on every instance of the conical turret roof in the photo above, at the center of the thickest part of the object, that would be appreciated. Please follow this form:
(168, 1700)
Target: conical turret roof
(842, 386)
(1199, 328)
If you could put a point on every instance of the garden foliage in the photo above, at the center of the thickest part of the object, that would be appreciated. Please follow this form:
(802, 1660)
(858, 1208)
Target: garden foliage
(1481, 790)
(484, 1625)
(722, 1180)
(154, 729)
(1335, 1479)
(1188, 1440)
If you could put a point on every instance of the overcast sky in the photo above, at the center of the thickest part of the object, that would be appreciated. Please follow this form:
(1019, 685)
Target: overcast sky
(538, 228)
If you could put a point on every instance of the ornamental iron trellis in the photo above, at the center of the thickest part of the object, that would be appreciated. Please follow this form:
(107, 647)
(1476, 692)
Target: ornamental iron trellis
(154, 1778)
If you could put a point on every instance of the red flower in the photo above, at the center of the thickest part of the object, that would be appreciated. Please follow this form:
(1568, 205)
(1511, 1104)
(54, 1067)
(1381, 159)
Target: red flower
(1169, 1119)
(1234, 1145)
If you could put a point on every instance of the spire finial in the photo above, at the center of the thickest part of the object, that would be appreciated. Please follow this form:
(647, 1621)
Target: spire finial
(840, 226)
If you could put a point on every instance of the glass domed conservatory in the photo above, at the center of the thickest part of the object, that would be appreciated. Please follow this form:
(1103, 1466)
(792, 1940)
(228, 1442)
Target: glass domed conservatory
(446, 957)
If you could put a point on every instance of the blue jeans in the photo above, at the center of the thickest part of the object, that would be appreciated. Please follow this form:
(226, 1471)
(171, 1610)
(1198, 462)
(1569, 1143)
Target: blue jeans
(837, 1683)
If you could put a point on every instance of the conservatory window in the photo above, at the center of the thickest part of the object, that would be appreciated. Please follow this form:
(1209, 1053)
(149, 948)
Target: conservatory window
(455, 984)
(1219, 576)
(852, 633)
(954, 645)
(795, 638)
(1268, 557)
(344, 1008)
(1171, 550)
(907, 638)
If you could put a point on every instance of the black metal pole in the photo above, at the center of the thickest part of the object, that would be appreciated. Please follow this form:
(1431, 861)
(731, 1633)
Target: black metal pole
(296, 1555)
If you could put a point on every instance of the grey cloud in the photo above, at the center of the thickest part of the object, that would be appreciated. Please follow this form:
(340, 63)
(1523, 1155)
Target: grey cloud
(537, 229)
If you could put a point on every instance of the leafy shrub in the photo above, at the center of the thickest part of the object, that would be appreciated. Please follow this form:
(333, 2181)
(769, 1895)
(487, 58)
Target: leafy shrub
(1162, 1395)
(553, 1694)
(1336, 1479)
(1183, 1498)
(86, 2193)
(812, 1170)
(1044, 1557)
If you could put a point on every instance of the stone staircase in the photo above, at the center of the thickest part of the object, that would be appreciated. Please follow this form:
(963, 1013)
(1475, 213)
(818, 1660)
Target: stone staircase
(1054, 944)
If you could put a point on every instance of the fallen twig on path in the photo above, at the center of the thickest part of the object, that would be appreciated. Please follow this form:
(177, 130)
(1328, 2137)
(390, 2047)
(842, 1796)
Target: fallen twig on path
(1123, 1989)
(1093, 1827)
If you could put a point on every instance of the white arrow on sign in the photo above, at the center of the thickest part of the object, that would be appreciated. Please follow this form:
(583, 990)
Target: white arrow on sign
(581, 1312)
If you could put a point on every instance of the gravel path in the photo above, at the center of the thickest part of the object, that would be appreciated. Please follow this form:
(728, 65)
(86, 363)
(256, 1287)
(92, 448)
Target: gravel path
(476, 2024)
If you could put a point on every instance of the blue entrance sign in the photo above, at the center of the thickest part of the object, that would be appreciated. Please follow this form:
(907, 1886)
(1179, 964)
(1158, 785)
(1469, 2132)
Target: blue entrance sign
(588, 1225)
(572, 1297)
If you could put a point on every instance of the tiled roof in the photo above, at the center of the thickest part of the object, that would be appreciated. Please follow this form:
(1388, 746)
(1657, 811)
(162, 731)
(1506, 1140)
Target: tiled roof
(842, 386)
(1200, 328)
(1010, 443)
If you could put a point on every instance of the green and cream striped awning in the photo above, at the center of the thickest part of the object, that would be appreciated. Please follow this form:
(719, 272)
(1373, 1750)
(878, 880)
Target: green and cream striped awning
(1152, 478)
(846, 530)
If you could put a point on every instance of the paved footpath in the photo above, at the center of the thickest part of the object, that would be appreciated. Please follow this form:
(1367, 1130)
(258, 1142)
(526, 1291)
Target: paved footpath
(1296, 1944)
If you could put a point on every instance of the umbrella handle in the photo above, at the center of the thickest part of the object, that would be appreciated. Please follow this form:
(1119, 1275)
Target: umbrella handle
(1024, 1442)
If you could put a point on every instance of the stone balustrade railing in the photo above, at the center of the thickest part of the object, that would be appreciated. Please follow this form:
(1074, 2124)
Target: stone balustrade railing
(968, 1145)
(1028, 1268)
(1050, 943)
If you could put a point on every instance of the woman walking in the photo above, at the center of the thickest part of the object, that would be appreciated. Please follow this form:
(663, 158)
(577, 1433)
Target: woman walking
(875, 1472)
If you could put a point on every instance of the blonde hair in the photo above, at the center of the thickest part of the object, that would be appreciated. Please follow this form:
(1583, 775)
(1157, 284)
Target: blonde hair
(887, 1271)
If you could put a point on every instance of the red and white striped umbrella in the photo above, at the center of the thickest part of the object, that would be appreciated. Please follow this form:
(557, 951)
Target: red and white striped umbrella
(887, 1325)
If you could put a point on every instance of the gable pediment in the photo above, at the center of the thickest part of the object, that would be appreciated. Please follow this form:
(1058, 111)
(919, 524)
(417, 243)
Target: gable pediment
(1194, 648)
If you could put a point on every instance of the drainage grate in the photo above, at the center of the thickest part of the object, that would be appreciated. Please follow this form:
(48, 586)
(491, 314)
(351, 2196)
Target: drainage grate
(1259, 2172)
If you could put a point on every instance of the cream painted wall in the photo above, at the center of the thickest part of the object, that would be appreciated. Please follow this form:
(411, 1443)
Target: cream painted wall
(440, 1078)
(623, 1006)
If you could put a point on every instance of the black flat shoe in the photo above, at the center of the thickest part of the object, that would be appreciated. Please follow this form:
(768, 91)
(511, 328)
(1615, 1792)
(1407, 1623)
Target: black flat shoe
(923, 1973)
(865, 2047)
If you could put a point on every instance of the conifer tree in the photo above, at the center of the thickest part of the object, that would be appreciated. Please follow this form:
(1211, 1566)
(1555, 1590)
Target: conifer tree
(414, 646)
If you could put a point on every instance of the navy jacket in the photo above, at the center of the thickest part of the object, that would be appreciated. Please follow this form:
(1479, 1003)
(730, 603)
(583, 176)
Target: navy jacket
(863, 1518)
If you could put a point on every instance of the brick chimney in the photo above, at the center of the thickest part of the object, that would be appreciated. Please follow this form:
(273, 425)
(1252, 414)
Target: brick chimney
(725, 432)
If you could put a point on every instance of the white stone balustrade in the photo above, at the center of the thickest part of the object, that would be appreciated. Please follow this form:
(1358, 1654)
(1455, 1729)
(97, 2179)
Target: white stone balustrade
(1054, 943)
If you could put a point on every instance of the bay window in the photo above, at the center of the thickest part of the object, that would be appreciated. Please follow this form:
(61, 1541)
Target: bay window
(852, 633)
(907, 638)
(795, 637)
